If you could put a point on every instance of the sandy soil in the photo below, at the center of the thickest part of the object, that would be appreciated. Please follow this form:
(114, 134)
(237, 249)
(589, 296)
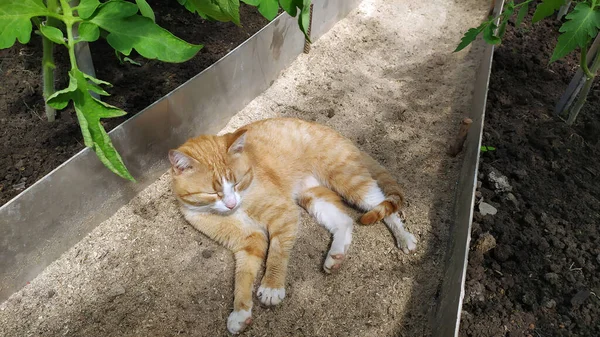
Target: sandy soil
(386, 78)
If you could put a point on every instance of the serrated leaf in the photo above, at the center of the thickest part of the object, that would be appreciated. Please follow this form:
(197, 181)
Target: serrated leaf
(488, 34)
(89, 113)
(521, 15)
(15, 20)
(53, 34)
(268, 8)
(128, 31)
(582, 24)
(88, 32)
(546, 8)
(470, 36)
(221, 10)
(145, 9)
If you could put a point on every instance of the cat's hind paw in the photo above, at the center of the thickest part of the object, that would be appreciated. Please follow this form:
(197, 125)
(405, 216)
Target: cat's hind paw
(407, 242)
(239, 320)
(270, 296)
(333, 262)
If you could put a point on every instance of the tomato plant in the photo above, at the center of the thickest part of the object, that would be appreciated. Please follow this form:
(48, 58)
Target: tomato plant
(577, 33)
(126, 26)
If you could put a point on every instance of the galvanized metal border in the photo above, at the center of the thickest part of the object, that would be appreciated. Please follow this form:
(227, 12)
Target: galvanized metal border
(48, 218)
(449, 309)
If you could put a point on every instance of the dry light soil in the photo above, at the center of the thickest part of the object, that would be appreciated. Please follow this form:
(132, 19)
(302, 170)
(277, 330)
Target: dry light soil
(386, 78)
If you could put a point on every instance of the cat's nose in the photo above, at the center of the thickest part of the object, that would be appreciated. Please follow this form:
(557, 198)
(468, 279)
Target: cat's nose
(230, 202)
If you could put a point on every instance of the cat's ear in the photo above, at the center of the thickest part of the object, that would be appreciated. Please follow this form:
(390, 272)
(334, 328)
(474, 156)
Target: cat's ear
(237, 141)
(180, 162)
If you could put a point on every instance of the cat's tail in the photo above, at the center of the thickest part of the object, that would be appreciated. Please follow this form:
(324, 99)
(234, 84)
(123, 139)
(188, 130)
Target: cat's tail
(394, 198)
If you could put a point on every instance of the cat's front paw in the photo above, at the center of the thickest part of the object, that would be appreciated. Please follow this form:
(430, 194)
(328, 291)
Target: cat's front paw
(270, 296)
(239, 320)
(407, 242)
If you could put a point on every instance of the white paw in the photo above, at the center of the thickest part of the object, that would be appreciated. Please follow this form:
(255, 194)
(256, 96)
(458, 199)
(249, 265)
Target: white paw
(407, 242)
(270, 296)
(333, 262)
(239, 320)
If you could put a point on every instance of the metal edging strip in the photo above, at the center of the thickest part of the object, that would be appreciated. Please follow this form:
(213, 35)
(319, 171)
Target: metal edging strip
(448, 314)
(56, 212)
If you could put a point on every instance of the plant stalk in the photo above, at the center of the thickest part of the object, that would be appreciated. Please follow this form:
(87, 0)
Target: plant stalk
(48, 65)
(69, 20)
(586, 88)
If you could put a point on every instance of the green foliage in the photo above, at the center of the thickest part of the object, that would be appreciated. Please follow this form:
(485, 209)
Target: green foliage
(488, 28)
(580, 28)
(546, 8)
(487, 148)
(228, 10)
(125, 29)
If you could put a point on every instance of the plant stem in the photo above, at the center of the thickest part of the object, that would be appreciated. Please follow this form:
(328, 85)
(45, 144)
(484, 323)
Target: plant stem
(69, 20)
(48, 65)
(586, 89)
(583, 63)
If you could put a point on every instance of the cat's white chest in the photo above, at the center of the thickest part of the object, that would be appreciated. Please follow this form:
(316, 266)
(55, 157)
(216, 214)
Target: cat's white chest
(247, 223)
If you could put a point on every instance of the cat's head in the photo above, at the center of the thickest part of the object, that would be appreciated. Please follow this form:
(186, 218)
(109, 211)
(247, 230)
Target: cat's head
(211, 173)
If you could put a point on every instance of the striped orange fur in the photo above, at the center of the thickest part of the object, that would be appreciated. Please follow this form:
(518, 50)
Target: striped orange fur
(244, 189)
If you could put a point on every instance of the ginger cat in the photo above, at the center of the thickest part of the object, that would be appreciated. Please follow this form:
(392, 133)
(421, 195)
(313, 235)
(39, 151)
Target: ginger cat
(243, 189)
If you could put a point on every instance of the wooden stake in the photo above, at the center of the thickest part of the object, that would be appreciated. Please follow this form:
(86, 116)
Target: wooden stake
(455, 148)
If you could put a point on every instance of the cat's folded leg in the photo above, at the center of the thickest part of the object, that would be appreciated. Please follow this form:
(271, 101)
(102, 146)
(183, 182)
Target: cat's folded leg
(282, 234)
(248, 261)
(327, 207)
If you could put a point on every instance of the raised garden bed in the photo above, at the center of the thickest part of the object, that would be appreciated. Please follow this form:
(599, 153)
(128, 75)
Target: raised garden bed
(377, 80)
(32, 147)
(541, 277)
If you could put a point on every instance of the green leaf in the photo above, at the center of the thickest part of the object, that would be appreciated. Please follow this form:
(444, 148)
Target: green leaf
(488, 34)
(221, 10)
(268, 8)
(522, 13)
(582, 24)
(145, 9)
(86, 8)
(88, 32)
(89, 112)
(471, 35)
(128, 31)
(506, 14)
(289, 6)
(546, 8)
(53, 34)
(304, 18)
(15, 20)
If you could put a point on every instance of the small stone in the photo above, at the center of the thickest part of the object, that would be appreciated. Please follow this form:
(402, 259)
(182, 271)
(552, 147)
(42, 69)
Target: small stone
(51, 293)
(207, 253)
(529, 219)
(499, 181)
(117, 290)
(330, 113)
(511, 197)
(479, 184)
(531, 326)
(580, 297)
(485, 209)
(478, 194)
(521, 174)
(550, 304)
(551, 277)
(485, 243)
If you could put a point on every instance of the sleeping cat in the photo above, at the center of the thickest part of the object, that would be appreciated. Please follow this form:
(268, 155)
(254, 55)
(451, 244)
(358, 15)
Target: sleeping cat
(243, 189)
